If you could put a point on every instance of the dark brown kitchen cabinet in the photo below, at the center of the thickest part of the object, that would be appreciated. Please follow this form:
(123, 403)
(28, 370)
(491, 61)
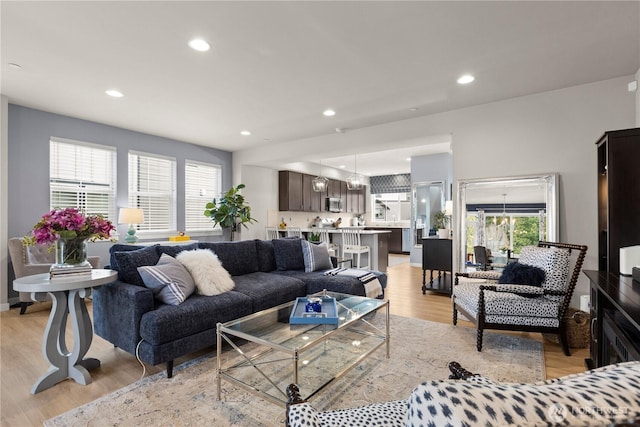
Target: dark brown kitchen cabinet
(333, 188)
(618, 204)
(290, 191)
(356, 201)
(312, 200)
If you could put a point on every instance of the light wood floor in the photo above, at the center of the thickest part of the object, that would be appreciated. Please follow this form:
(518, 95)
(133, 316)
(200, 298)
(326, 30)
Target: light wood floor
(22, 363)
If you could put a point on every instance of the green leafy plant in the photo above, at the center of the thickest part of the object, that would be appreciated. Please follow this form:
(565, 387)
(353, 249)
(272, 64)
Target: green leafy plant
(314, 237)
(230, 210)
(440, 220)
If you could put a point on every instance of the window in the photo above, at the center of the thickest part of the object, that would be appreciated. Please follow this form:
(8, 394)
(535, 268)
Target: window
(82, 176)
(202, 184)
(152, 188)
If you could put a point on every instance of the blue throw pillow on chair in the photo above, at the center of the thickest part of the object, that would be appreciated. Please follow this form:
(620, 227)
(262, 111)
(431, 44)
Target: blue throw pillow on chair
(522, 274)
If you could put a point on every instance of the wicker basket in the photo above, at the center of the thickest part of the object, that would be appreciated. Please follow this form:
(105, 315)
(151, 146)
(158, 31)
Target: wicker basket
(578, 333)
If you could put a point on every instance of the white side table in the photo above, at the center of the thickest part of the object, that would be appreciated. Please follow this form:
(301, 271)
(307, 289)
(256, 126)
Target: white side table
(67, 296)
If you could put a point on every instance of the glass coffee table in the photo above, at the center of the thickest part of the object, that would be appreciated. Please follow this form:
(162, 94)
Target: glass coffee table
(310, 355)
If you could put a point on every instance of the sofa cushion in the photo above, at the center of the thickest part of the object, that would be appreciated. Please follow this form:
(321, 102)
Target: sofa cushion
(119, 247)
(237, 258)
(316, 256)
(174, 250)
(288, 253)
(170, 282)
(267, 290)
(127, 263)
(208, 274)
(266, 255)
(522, 274)
(168, 323)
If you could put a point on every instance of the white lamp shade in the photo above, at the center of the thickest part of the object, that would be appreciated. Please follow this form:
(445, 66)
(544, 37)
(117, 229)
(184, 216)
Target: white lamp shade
(130, 216)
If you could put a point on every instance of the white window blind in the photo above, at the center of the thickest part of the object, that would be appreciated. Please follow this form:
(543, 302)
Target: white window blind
(82, 176)
(202, 184)
(152, 188)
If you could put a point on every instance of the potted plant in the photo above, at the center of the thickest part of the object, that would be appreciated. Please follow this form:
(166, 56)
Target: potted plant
(230, 210)
(440, 220)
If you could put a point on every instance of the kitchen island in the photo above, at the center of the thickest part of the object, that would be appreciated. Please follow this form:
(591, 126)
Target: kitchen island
(377, 240)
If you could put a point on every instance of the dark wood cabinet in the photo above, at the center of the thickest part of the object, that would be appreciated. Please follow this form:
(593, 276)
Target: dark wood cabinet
(356, 200)
(395, 238)
(312, 200)
(618, 190)
(290, 191)
(615, 319)
(333, 189)
(437, 256)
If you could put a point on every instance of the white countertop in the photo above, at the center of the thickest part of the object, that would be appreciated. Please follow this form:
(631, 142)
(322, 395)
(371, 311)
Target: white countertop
(337, 230)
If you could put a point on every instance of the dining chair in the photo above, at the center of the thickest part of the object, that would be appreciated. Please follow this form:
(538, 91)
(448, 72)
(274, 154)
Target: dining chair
(294, 232)
(352, 245)
(272, 233)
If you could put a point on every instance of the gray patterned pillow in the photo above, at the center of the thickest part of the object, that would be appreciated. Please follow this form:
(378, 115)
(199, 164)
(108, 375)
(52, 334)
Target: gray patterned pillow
(316, 257)
(170, 282)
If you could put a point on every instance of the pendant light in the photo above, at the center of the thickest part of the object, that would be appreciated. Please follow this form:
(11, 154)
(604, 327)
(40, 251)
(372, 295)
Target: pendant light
(354, 181)
(320, 183)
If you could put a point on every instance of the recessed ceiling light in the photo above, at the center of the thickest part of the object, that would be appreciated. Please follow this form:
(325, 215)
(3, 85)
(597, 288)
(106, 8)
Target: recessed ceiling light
(199, 45)
(342, 166)
(245, 133)
(408, 159)
(329, 113)
(414, 109)
(465, 79)
(114, 93)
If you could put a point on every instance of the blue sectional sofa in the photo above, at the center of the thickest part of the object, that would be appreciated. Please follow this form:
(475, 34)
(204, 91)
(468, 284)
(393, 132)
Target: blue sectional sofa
(266, 273)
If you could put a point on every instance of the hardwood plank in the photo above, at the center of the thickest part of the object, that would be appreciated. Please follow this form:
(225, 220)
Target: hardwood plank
(21, 360)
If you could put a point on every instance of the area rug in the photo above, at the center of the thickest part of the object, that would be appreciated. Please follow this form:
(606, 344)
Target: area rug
(420, 351)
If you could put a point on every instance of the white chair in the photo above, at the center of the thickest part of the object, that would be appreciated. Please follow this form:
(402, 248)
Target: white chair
(272, 233)
(324, 237)
(352, 245)
(294, 232)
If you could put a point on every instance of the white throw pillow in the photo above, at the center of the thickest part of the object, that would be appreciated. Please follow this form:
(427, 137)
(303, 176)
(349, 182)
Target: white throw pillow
(208, 273)
(316, 257)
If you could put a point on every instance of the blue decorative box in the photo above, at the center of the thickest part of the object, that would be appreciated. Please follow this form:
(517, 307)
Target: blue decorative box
(328, 315)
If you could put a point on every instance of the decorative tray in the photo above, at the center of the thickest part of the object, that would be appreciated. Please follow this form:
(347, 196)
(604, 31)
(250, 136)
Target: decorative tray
(328, 315)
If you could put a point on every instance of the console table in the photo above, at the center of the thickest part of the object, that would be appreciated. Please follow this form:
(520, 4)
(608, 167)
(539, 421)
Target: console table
(436, 256)
(615, 319)
(67, 296)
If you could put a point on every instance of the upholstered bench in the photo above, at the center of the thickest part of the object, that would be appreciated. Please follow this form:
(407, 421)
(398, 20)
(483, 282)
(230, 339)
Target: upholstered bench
(605, 396)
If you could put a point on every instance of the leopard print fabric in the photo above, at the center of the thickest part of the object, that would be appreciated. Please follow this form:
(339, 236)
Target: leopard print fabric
(595, 398)
(603, 396)
(387, 414)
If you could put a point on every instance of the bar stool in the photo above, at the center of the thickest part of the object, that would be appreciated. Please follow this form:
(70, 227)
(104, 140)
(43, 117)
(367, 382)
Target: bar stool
(352, 245)
(272, 233)
(294, 232)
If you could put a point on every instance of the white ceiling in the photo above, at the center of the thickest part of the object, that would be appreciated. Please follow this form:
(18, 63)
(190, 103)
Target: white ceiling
(275, 66)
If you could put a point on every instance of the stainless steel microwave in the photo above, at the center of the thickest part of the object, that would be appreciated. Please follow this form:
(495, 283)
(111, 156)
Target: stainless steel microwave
(334, 204)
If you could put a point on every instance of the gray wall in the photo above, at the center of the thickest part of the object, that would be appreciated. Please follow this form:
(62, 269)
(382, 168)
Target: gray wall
(29, 132)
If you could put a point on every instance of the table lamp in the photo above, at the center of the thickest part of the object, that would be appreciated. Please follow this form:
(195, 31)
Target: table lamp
(131, 216)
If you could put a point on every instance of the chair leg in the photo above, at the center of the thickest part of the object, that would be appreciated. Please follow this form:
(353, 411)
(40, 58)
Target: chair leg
(479, 340)
(564, 341)
(23, 307)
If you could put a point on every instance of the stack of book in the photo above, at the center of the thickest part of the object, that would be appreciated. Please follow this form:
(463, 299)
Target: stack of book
(65, 272)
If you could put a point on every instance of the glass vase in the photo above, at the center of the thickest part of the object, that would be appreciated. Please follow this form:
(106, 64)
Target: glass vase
(71, 253)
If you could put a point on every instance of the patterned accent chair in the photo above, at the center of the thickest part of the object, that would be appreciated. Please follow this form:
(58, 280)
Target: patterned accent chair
(37, 259)
(522, 307)
(606, 396)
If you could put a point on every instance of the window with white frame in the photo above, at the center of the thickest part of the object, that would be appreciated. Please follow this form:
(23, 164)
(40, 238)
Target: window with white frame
(152, 183)
(202, 183)
(82, 175)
